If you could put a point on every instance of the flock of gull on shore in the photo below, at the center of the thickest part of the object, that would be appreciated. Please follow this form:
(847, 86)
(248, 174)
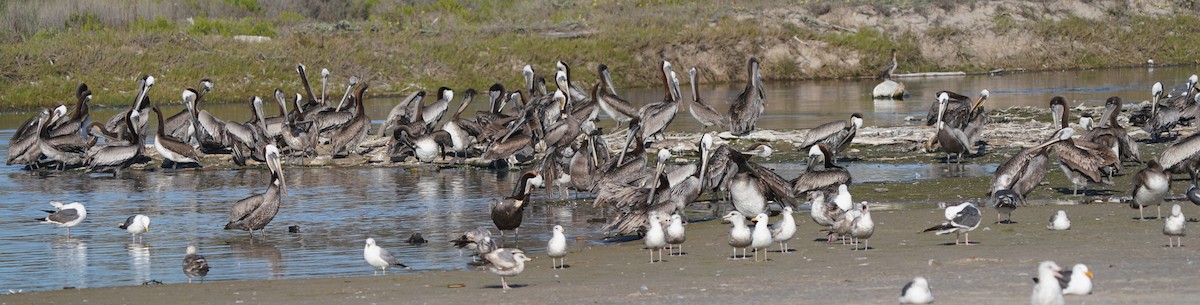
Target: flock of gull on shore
(553, 137)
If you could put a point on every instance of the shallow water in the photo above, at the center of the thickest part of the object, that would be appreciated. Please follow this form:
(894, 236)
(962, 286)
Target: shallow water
(337, 208)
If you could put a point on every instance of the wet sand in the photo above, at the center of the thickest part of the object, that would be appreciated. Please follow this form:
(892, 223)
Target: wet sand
(1128, 257)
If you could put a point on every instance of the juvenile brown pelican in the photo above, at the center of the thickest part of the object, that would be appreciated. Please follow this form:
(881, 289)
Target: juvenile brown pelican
(1020, 174)
(256, 211)
(960, 219)
(754, 185)
(194, 265)
(508, 213)
(825, 179)
(951, 140)
(379, 257)
(703, 113)
(117, 156)
(632, 206)
(65, 215)
(749, 105)
(506, 262)
(1084, 163)
(837, 134)
(67, 150)
(171, 148)
(656, 117)
(348, 136)
(606, 97)
(1108, 127)
(427, 148)
(1150, 186)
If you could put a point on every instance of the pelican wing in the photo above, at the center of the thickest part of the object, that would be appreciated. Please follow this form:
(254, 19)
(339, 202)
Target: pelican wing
(821, 179)
(1182, 150)
(245, 207)
(820, 133)
(1085, 157)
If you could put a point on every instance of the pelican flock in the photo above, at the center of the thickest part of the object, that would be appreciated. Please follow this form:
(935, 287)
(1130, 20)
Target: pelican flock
(552, 135)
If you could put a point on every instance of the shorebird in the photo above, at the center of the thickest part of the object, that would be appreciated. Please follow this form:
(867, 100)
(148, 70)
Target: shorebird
(194, 265)
(1059, 221)
(655, 238)
(379, 257)
(760, 238)
(1175, 226)
(784, 230)
(479, 240)
(65, 215)
(916, 292)
(739, 235)
(675, 234)
(1077, 281)
(136, 225)
(1047, 291)
(960, 219)
(1005, 201)
(863, 227)
(556, 248)
(505, 262)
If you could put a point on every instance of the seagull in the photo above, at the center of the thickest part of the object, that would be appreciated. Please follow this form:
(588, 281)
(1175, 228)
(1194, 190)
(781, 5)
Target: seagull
(784, 230)
(843, 224)
(1047, 292)
(557, 247)
(916, 292)
(1059, 221)
(960, 219)
(136, 225)
(761, 237)
(655, 238)
(506, 262)
(194, 265)
(379, 257)
(479, 240)
(1175, 226)
(739, 235)
(1080, 280)
(675, 234)
(65, 215)
(1005, 202)
(862, 227)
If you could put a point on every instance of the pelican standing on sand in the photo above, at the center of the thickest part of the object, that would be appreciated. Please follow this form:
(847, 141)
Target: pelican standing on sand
(556, 248)
(256, 211)
(506, 262)
(745, 111)
(379, 257)
(136, 225)
(960, 219)
(1084, 163)
(194, 265)
(65, 215)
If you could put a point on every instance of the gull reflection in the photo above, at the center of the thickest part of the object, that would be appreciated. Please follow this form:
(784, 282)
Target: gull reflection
(139, 261)
(71, 262)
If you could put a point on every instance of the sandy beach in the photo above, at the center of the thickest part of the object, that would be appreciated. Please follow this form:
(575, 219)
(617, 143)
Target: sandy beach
(1129, 259)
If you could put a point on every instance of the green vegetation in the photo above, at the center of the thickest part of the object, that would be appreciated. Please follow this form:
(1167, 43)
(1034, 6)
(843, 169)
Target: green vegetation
(399, 45)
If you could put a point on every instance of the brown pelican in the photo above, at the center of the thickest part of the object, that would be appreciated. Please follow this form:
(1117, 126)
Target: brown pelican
(656, 116)
(891, 67)
(117, 156)
(956, 113)
(633, 206)
(330, 119)
(1183, 157)
(297, 136)
(960, 219)
(140, 105)
(977, 118)
(67, 150)
(1162, 119)
(1108, 127)
(311, 104)
(379, 257)
(703, 113)
(65, 215)
(1020, 174)
(182, 124)
(349, 135)
(606, 97)
(754, 185)
(256, 211)
(1150, 186)
(1084, 163)
(836, 134)
(79, 117)
(821, 180)
(506, 262)
(951, 140)
(428, 147)
(194, 265)
(23, 147)
(407, 111)
(433, 112)
(749, 105)
(508, 213)
(462, 131)
(171, 148)
(585, 163)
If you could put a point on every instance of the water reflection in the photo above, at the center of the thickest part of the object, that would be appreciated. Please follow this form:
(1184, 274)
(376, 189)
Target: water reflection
(139, 261)
(70, 262)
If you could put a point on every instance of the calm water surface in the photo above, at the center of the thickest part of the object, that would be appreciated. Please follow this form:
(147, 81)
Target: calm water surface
(337, 208)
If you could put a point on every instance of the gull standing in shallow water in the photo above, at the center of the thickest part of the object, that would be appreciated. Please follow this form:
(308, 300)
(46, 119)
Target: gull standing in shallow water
(1175, 226)
(960, 219)
(675, 234)
(916, 292)
(65, 215)
(136, 225)
(1047, 291)
(506, 262)
(379, 257)
(760, 239)
(194, 265)
(556, 248)
(1059, 221)
(739, 235)
(784, 230)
